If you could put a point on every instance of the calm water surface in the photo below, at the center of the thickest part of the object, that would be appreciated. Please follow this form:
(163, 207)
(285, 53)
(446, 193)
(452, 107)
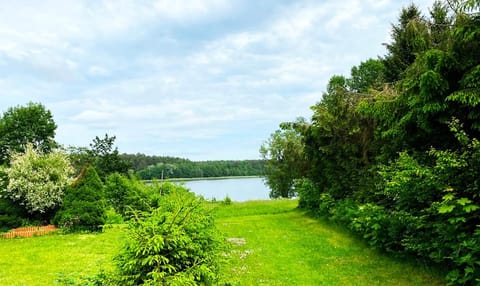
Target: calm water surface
(238, 189)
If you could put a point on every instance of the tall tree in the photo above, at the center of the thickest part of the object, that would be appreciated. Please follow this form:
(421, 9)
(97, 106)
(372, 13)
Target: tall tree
(107, 159)
(338, 140)
(102, 155)
(22, 125)
(408, 38)
(283, 153)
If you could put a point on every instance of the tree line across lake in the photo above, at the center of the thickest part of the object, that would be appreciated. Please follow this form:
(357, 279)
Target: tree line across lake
(158, 167)
(392, 150)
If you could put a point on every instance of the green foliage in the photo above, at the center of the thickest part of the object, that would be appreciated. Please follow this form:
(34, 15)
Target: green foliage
(175, 244)
(465, 5)
(126, 195)
(430, 209)
(84, 206)
(408, 185)
(22, 125)
(308, 192)
(386, 154)
(339, 141)
(102, 155)
(284, 157)
(37, 181)
(11, 214)
(408, 38)
(167, 168)
(368, 75)
(227, 201)
(107, 159)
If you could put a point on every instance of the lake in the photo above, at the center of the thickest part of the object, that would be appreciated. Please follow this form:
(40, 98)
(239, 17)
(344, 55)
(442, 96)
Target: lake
(238, 189)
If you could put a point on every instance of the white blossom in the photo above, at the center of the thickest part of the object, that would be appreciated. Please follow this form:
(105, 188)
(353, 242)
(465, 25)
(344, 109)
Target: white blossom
(38, 180)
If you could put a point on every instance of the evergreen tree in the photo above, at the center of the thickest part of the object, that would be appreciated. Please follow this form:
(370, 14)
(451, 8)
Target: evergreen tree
(84, 203)
(408, 38)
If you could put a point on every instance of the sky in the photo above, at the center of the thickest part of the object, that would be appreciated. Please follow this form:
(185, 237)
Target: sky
(196, 79)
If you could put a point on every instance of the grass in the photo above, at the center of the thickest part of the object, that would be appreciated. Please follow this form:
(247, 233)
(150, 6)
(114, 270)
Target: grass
(273, 244)
(44, 259)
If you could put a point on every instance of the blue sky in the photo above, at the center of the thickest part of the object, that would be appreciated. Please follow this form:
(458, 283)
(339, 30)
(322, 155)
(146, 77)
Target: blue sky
(198, 79)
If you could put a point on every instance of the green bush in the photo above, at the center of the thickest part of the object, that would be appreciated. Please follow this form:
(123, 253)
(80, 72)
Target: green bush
(309, 197)
(427, 205)
(37, 181)
(11, 214)
(175, 244)
(84, 204)
(113, 217)
(126, 194)
(227, 201)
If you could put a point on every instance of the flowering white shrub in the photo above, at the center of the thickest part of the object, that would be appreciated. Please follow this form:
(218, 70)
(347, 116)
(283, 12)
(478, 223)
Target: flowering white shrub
(38, 180)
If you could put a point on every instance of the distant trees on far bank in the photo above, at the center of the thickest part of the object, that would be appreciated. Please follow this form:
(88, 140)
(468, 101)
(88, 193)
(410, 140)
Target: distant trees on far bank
(158, 167)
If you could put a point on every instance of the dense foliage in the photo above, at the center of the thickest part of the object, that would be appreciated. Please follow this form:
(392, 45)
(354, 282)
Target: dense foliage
(392, 151)
(191, 169)
(37, 181)
(283, 154)
(174, 244)
(23, 125)
(127, 194)
(84, 206)
(141, 161)
(11, 214)
(102, 155)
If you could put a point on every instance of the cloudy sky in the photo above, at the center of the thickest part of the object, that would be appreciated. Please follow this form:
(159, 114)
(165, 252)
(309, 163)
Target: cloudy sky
(198, 79)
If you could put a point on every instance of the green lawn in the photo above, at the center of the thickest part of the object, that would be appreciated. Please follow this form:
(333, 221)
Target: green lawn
(273, 244)
(42, 260)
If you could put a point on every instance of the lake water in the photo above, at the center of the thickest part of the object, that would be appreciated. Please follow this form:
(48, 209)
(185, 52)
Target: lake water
(238, 189)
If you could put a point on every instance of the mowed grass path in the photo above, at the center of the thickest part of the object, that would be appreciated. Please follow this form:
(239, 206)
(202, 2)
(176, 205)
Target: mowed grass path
(275, 244)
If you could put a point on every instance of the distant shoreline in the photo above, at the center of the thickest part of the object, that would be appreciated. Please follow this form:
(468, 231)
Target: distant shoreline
(204, 178)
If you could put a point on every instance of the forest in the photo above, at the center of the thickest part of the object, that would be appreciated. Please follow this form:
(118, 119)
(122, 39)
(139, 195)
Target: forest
(168, 167)
(392, 150)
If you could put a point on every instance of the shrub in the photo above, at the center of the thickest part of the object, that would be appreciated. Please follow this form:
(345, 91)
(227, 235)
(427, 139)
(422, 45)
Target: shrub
(175, 244)
(227, 201)
(84, 204)
(37, 181)
(130, 194)
(11, 214)
(308, 193)
(125, 194)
